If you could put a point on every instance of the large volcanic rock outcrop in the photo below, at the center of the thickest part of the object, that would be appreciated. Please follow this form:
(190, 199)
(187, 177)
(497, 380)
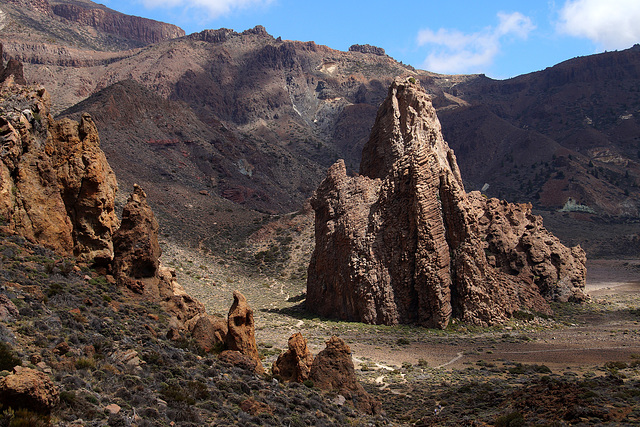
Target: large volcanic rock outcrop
(56, 186)
(403, 243)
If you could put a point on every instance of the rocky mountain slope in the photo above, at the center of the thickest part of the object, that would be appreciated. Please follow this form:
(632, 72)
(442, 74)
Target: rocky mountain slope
(57, 195)
(257, 120)
(80, 23)
(566, 132)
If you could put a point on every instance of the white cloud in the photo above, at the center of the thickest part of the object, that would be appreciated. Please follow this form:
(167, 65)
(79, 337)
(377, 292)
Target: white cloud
(457, 52)
(214, 8)
(611, 24)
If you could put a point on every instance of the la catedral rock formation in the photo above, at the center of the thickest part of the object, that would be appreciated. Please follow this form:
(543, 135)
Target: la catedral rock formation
(404, 243)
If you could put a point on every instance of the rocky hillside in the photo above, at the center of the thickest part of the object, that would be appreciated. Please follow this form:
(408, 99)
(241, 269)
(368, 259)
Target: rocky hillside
(79, 23)
(258, 120)
(76, 350)
(566, 132)
(84, 298)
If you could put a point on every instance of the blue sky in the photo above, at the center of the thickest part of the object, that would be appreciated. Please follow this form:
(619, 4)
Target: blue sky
(499, 38)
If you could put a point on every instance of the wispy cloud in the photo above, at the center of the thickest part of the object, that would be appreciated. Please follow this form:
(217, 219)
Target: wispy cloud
(453, 51)
(213, 8)
(611, 24)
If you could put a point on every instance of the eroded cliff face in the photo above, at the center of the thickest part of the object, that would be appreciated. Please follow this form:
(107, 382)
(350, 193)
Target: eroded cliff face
(56, 186)
(403, 243)
(143, 30)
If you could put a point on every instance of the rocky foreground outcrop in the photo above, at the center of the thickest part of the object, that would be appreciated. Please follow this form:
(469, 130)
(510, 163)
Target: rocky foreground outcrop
(404, 243)
(57, 189)
(56, 186)
(30, 389)
(332, 370)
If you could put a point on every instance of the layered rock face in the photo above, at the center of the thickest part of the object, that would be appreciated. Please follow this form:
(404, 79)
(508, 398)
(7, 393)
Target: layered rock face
(403, 243)
(56, 186)
(107, 20)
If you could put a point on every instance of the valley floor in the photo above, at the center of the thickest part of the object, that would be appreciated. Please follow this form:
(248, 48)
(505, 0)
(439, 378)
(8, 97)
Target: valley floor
(587, 356)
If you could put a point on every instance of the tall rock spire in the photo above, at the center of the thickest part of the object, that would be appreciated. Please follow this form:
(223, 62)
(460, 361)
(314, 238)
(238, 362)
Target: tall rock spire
(404, 243)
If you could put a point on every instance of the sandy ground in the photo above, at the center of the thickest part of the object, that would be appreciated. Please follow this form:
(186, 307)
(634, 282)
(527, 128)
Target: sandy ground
(579, 337)
(605, 330)
(608, 329)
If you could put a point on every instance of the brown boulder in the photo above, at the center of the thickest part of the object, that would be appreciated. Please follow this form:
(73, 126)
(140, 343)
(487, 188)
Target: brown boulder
(29, 389)
(294, 364)
(135, 244)
(404, 243)
(235, 358)
(13, 71)
(8, 310)
(241, 330)
(333, 370)
(173, 297)
(208, 331)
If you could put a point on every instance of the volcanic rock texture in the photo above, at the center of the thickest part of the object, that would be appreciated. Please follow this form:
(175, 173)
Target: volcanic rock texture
(403, 243)
(56, 186)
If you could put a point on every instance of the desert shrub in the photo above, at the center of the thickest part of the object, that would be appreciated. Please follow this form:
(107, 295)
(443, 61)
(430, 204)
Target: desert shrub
(8, 358)
(66, 267)
(198, 390)
(403, 341)
(98, 281)
(85, 363)
(309, 383)
(55, 289)
(23, 418)
(528, 369)
(514, 419)
(523, 315)
(174, 394)
(615, 365)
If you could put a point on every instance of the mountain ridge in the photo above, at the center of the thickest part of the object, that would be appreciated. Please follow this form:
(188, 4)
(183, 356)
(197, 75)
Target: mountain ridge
(289, 109)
